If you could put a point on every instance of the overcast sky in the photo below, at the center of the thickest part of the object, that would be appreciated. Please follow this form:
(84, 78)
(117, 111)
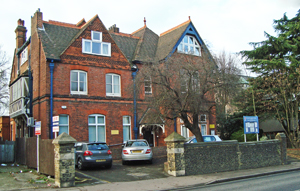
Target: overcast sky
(223, 24)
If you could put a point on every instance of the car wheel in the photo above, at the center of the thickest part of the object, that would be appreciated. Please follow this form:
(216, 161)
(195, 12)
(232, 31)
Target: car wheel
(150, 161)
(124, 162)
(79, 164)
(108, 166)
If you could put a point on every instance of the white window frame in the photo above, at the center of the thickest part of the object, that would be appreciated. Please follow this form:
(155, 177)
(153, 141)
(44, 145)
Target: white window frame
(127, 124)
(78, 82)
(112, 85)
(98, 125)
(183, 128)
(203, 129)
(24, 56)
(212, 132)
(65, 125)
(191, 46)
(148, 86)
(93, 40)
(204, 118)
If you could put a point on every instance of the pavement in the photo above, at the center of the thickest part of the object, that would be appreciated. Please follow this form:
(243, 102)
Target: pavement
(168, 183)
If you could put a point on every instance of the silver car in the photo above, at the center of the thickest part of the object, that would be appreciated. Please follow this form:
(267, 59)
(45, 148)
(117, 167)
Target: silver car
(136, 150)
(92, 154)
(206, 138)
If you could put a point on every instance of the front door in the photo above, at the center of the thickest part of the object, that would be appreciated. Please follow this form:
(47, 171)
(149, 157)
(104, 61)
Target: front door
(148, 136)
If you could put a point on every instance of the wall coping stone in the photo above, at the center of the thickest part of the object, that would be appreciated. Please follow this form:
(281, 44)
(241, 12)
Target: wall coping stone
(175, 137)
(63, 139)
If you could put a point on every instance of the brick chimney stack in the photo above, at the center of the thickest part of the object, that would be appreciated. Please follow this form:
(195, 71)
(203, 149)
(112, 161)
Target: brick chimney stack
(36, 21)
(114, 29)
(20, 33)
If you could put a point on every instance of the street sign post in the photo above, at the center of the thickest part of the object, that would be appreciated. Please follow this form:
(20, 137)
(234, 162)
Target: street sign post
(251, 126)
(37, 128)
(37, 133)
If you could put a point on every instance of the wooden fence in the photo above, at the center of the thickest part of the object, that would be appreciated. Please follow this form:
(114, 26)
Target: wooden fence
(26, 154)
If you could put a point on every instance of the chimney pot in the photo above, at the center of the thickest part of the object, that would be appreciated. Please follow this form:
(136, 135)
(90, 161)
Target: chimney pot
(21, 22)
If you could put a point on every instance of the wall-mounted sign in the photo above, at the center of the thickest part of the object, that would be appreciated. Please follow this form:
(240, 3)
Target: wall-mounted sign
(55, 122)
(115, 132)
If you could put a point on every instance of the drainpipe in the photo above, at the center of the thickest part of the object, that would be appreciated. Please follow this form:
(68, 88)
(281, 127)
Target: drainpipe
(175, 126)
(134, 70)
(51, 65)
(30, 87)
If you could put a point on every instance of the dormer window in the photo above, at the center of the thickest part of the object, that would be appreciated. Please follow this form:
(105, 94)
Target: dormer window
(96, 45)
(189, 45)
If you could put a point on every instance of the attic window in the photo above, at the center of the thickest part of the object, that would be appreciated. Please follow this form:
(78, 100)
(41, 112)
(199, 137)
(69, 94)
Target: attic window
(189, 45)
(96, 45)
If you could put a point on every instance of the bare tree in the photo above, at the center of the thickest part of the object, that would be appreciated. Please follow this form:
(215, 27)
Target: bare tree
(4, 81)
(229, 73)
(183, 86)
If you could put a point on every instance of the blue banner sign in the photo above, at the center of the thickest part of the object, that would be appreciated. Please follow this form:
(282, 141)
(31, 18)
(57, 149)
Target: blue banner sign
(251, 125)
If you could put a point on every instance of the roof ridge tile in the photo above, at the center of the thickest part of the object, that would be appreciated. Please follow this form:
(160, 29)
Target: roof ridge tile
(178, 26)
(125, 34)
(59, 23)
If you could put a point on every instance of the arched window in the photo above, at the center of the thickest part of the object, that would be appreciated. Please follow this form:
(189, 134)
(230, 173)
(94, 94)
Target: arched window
(97, 128)
(189, 45)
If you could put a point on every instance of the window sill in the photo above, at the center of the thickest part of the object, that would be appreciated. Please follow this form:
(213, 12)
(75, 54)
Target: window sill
(109, 55)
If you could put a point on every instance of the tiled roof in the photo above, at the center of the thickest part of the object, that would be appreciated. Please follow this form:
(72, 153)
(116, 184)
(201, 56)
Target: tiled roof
(151, 116)
(56, 38)
(142, 45)
(146, 47)
(127, 44)
(168, 40)
(270, 125)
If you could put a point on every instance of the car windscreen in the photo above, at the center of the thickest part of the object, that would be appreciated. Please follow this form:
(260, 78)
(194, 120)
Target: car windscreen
(208, 139)
(97, 146)
(136, 144)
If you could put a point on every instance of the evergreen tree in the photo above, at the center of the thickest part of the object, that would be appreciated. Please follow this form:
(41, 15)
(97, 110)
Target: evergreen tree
(276, 60)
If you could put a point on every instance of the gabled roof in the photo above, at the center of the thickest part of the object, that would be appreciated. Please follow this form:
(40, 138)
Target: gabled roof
(57, 36)
(142, 45)
(55, 39)
(151, 116)
(169, 40)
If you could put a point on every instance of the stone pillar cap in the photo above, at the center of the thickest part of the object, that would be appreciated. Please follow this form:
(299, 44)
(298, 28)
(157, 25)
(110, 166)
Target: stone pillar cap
(175, 137)
(64, 138)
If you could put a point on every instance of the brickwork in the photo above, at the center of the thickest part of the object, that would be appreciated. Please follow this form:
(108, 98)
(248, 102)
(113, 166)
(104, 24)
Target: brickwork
(79, 107)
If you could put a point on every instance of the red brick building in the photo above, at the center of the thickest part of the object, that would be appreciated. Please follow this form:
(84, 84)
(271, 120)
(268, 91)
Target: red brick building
(82, 73)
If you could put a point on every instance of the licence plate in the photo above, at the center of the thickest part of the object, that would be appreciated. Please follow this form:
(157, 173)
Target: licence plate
(139, 151)
(102, 160)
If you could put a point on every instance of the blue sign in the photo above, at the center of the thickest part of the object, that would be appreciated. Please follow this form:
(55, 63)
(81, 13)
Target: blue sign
(251, 125)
